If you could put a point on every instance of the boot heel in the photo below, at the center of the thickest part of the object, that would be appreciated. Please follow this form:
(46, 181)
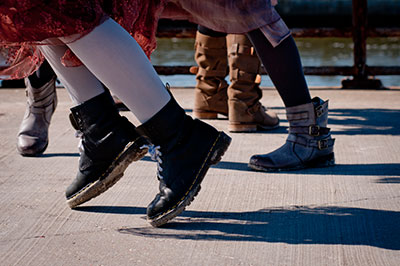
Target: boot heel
(242, 128)
(205, 115)
(217, 151)
(323, 161)
(134, 151)
(220, 148)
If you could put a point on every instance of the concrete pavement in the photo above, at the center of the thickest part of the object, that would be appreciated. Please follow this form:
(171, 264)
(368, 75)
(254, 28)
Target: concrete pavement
(345, 215)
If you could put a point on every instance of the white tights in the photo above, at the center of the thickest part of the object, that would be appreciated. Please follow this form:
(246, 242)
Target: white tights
(112, 56)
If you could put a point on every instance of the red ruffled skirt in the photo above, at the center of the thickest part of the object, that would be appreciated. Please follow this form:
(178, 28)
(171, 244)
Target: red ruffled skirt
(24, 24)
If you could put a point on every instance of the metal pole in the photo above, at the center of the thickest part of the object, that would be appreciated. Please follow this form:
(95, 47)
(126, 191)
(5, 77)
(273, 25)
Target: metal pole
(360, 23)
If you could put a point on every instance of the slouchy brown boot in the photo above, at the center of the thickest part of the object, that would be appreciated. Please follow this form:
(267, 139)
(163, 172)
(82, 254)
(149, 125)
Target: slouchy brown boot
(309, 143)
(184, 149)
(210, 98)
(246, 114)
(33, 135)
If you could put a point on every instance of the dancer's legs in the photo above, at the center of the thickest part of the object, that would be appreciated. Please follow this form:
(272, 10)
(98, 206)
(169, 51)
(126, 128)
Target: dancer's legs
(110, 142)
(33, 134)
(309, 143)
(123, 67)
(284, 66)
(43, 75)
(185, 148)
(81, 84)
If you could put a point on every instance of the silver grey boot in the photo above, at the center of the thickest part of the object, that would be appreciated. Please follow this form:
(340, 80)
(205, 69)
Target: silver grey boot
(309, 143)
(33, 132)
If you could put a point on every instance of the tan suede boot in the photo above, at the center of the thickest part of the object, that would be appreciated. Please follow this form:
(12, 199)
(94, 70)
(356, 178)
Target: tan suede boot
(246, 114)
(33, 133)
(210, 97)
(309, 143)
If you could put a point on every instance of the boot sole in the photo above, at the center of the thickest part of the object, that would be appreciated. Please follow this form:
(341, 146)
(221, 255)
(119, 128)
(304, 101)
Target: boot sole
(321, 162)
(207, 115)
(132, 152)
(243, 128)
(218, 149)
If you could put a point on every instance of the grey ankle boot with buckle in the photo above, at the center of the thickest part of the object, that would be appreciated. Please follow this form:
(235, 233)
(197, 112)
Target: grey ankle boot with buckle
(33, 136)
(309, 143)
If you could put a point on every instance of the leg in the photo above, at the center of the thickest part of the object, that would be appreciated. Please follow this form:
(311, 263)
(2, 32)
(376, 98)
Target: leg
(246, 114)
(284, 67)
(109, 141)
(33, 135)
(210, 93)
(309, 143)
(127, 74)
(184, 148)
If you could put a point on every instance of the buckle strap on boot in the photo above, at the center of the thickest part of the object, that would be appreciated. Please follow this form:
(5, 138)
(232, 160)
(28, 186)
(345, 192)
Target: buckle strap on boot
(319, 144)
(43, 109)
(210, 51)
(211, 72)
(238, 74)
(40, 96)
(302, 112)
(88, 112)
(320, 110)
(238, 48)
(320, 107)
(312, 130)
(297, 116)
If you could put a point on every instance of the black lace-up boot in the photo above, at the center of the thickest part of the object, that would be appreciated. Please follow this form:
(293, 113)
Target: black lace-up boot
(110, 143)
(185, 148)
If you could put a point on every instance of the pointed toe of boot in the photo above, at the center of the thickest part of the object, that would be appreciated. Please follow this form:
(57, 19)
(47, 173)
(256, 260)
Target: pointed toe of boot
(160, 203)
(260, 162)
(31, 145)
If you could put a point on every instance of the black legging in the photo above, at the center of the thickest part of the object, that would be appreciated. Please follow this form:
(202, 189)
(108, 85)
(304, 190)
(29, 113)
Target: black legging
(284, 67)
(43, 75)
(282, 63)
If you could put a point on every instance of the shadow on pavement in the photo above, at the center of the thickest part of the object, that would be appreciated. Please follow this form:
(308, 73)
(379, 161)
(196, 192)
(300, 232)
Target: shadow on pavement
(59, 155)
(297, 225)
(365, 121)
(378, 169)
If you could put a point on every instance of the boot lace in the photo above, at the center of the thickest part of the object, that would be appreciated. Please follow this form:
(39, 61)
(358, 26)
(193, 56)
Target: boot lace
(155, 154)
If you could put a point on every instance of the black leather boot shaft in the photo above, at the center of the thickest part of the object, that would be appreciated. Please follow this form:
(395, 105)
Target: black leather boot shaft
(110, 143)
(104, 129)
(164, 125)
(185, 148)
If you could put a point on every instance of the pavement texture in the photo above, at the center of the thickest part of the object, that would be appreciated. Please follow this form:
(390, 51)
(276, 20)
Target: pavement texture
(348, 214)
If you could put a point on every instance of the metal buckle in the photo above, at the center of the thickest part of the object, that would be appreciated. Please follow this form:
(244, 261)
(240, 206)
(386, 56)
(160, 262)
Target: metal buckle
(322, 144)
(313, 130)
(319, 111)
